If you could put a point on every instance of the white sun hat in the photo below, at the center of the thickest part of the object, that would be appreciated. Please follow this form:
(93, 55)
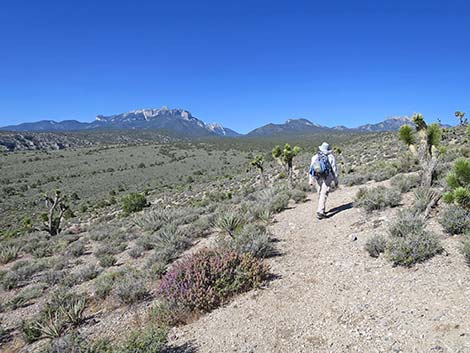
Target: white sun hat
(325, 147)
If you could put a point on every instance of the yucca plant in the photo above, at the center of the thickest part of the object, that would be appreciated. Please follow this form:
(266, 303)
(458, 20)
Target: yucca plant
(73, 309)
(228, 223)
(9, 253)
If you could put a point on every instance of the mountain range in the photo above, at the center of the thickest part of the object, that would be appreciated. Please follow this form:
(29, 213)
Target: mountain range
(181, 122)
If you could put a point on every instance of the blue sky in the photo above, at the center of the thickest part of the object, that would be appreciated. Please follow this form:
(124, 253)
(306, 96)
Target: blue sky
(241, 63)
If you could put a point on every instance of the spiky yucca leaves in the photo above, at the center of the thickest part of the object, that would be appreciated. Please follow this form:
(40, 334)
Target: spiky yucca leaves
(406, 135)
(423, 196)
(9, 252)
(229, 222)
(63, 312)
(458, 182)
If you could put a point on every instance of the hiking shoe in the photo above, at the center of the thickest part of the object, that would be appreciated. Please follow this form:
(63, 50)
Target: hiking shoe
(320, 215)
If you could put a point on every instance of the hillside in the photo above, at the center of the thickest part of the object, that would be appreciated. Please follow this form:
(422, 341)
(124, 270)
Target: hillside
(184, 246)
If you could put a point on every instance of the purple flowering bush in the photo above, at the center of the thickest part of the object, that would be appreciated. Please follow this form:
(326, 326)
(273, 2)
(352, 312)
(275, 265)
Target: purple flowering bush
(206, 279)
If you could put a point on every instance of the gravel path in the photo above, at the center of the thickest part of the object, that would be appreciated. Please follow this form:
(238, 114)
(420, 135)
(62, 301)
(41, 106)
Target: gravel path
(330, 296)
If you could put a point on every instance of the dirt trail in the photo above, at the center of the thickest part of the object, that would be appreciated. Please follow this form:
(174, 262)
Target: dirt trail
(332, 297)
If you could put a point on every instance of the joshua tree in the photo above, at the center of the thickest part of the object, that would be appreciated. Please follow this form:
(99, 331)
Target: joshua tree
(285, 157)
(424, 145)
(57, 207)
(258, 162)
(460, 115)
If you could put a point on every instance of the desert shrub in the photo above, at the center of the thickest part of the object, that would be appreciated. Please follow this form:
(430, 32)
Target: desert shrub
(107, 260)
(406, 222)
(104, 284)
(355, 179)
(85, 274)
(422, 198)
(25, 297)
(77, 248)
(375, 245)
(404, 183)
(164, 314)
(53, 277)
(466, 249)
(74, 343)
(229, 222)
(112, 248)
(21, 272)
(200, 227)
(134, 202)
(298, 195)
(383, 171)
(206, 279)
(377, 198)
(9, 252)
(414, 248)
(252, 239)
(169, 242)
(279, 202)
(136, 252)
(146, 242)
(148, 340)
(409, 241)
(131, 288)
(455, 219)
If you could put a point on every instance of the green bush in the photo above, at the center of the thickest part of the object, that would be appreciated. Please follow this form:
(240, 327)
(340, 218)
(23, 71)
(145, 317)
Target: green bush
(149, 340)
(404, 183)
(409, 241)
(407, 222)
(107, 260)
(252, 239)
(134, 202)
(131, 288)
(298, 195)
(414, 248)
(377, 198)
(455, 219)
(376, 245)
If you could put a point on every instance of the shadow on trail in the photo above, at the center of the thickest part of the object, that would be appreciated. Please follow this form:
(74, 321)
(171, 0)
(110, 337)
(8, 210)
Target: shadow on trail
(334, 211)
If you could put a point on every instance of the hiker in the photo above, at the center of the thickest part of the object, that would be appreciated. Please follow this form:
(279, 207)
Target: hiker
(324, 171)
